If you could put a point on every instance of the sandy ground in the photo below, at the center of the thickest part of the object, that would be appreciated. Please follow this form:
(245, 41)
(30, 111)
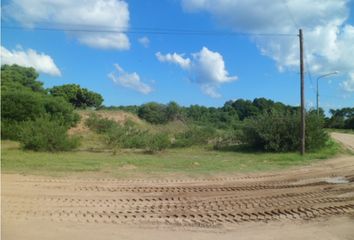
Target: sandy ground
(309, 202)
(345, 138)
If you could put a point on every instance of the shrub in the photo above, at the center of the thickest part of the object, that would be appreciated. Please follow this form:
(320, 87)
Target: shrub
(227, 139)
(44, 134)
(98, 124)
(21, 105)
(126, 135)
(316, 137)
(195, 136)
(279, 131)
(59, 109)
(157, 142)
(10, 130)
(154, 113)
(272, 132)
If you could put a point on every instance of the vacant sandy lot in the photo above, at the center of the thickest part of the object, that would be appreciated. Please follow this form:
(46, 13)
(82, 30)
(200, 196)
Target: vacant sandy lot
(311, 202)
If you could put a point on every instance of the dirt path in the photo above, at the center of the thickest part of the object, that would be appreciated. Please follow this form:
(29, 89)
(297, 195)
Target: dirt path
(345, 138)
(312, 202)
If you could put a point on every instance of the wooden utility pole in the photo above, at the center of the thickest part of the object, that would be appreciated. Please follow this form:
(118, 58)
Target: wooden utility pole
(303, 113)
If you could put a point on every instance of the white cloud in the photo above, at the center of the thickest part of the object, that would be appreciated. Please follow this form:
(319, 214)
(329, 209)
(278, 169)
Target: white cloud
(117, 41)
(327, 35)
(129, 80)
(174, 58)
(145, 41)
(207, 68)
(210, 90)
(42, 62)
(348, 85)
(82, 14)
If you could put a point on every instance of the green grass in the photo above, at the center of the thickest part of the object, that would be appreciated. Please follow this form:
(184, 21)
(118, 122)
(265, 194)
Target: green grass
(340, 130)
(190, 161)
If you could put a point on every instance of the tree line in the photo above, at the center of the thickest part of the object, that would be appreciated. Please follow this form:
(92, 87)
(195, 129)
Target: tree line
(231, 114)
(39, 118)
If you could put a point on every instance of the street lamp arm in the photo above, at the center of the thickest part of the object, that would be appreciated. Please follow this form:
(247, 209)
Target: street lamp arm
(317, 94)
(327, 74)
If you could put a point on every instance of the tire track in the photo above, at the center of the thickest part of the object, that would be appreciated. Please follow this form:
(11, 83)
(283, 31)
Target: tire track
(202, 205)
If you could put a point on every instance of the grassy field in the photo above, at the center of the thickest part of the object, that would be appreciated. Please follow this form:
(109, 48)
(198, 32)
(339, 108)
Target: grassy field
(190, 161)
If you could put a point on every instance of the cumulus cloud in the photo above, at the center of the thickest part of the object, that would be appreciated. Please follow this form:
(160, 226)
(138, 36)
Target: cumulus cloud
(83, 14)
(209, 67)
(129, 80)
(206, 68)
(174, 58)
(328, 36)
(42, 62)
(145, 41)
(348, 84)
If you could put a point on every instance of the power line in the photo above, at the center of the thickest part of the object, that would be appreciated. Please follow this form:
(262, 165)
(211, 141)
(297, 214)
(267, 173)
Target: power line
(297, 26)
(308, 72)
(156, 31)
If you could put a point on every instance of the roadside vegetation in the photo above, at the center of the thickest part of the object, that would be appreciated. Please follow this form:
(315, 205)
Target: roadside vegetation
(193, 161)
(39, 118)
(341, 119)
(152, 135)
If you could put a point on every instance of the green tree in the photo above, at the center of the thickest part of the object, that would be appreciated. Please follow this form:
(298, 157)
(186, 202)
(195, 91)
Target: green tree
(245, 109)
(153, 113)
(77, 96)
(13, 76)
(23, 99)
(21, 105)
(173, 111)
(341, 118)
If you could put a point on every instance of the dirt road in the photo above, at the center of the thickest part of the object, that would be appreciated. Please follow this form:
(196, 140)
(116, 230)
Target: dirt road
(346, 139)
(312, 202)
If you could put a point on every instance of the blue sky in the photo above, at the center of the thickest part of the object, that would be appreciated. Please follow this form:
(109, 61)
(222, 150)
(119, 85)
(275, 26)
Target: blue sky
(185, 73)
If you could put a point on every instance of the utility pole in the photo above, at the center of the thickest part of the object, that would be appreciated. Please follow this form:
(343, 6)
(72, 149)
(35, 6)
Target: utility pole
(317, 96)
(302, 87)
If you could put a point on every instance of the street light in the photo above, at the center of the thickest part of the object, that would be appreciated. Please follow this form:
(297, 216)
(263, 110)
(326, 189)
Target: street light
(318, 78)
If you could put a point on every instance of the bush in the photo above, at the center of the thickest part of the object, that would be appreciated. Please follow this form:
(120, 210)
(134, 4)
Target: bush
(127, 135)
(10, 130)
(316, 137)
(154, 113)
(272, 132)
(195, 136)
(279, 132)
(98, 124)
(59, 109)
(44, 134)
(157, 142)
(21, 105)
(227, 140)
(133, 137)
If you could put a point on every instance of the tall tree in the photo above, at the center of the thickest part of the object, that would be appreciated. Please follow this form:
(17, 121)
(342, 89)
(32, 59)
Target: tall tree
(14, 76)
(77, 96)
